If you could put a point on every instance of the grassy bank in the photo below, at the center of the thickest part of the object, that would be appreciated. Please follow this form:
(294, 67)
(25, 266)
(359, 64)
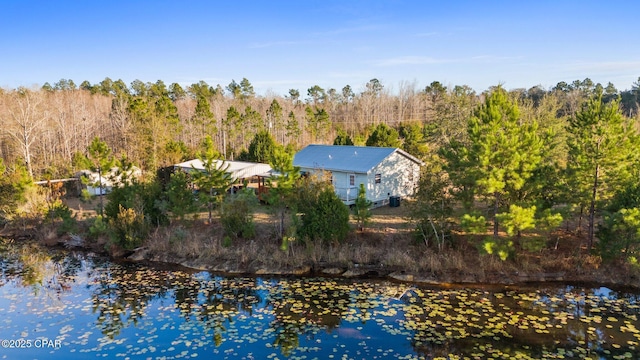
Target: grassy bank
(386, 248)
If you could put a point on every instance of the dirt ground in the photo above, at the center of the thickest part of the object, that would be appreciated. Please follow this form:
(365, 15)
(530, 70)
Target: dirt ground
(83, 209)
(383, 218)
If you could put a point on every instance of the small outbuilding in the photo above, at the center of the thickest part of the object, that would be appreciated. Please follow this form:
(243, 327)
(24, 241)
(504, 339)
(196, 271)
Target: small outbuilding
(240, 171)
(98, 185)
(387, 173)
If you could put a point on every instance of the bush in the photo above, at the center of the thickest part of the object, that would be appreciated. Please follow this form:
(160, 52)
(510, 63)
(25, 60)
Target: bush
(518, 219)
(533, 243)
(98, 227)
(61, 214)
(473, 223)
(502, 248)
(226, 241)
(132, 209)
(15, 184)
(236, 215)
(433, 210)
(178, 235)
(129, 228)
(180, 197)
(620, 234)
(361, 211)
(146, 198)
(324, 216)
(125, 197)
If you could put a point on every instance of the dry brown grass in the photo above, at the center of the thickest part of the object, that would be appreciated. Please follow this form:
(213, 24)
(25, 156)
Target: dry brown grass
(387, 244)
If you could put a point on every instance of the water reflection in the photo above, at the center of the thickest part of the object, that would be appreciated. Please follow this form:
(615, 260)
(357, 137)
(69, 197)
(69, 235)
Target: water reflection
(34, 267)
(304, 307)
(98, 307)
(120, 295)
(578, 323)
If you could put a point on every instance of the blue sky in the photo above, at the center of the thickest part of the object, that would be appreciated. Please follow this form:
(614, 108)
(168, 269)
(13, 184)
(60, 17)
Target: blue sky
(282, 45)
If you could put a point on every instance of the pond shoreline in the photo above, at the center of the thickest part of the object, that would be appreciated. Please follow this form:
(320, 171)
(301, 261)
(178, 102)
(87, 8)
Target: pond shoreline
(607, 277)
(387, 249)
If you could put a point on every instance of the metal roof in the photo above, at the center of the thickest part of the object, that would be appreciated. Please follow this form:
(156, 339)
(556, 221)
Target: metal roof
(110, 177)
(357, 159)
(237, 169)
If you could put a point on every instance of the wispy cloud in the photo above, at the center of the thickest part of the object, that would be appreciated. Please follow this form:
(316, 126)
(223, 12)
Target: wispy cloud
(275, 44)
(494, 58)
(410, 60)
(347, 30)
(428, 34)
(428, 60)
(605, 66)
(314, 36)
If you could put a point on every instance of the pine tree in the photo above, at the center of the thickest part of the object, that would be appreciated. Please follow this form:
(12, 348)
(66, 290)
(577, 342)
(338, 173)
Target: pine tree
(155, 119)
(384, 136)
(180, 199)
(275, 120)
(282, 188)
(318, 122)
(14, 184)
(501, 156)
(413, 140)
(323, 215)
(261, 148)
(230, 131)
(602, 154)
(203, 116)
(101, 161)
(293, 128)
(213, 180)
(342, 138)
(361, 209)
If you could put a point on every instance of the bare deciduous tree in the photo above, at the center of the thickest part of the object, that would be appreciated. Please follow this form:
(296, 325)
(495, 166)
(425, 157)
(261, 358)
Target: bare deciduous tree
(26, 120)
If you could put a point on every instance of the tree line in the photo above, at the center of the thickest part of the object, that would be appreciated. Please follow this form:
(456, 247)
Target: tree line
(157, 125)
(516, 163)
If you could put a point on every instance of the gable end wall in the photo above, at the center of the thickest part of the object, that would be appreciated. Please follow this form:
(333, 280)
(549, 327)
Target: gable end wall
(399, 177)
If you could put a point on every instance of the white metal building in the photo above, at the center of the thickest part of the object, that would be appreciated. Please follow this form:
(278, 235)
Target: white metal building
(239, 170)
(385, 172)
(102, 185)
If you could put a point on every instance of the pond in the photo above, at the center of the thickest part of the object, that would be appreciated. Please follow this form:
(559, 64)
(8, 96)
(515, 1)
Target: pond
(69, 305)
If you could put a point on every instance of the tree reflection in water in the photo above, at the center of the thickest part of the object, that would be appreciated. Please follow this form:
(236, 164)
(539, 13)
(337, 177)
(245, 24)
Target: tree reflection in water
(47, 273)
(302, 308)
(121, 294)
(214, 303)
(519, 323)
(203, 314)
